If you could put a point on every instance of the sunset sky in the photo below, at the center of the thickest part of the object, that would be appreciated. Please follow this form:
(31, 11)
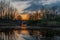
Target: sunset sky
(20, 5)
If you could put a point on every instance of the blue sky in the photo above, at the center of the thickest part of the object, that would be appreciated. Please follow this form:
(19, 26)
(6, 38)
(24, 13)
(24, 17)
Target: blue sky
(20, 5)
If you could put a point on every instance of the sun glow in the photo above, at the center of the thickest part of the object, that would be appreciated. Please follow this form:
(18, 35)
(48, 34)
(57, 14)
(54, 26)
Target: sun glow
(25, 16)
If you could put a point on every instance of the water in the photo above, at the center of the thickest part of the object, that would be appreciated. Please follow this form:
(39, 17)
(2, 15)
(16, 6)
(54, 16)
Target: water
(20, 36)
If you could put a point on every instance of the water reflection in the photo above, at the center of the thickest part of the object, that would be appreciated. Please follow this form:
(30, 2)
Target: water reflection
(15, 34)
(23, 35)
(18, 34)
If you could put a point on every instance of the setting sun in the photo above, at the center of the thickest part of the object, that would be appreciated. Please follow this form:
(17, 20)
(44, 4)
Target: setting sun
(25, 16)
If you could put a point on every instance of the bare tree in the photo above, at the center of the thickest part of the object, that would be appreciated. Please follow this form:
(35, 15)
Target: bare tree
(6, 11)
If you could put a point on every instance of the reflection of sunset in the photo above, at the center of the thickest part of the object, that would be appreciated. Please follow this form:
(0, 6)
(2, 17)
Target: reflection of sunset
(26, 32)
(24, 29)
(23, 26)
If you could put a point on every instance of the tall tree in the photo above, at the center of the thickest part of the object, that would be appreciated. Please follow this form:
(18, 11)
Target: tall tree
(6, 11)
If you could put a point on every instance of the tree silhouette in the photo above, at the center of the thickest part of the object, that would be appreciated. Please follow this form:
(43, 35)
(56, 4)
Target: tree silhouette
(6, 11)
